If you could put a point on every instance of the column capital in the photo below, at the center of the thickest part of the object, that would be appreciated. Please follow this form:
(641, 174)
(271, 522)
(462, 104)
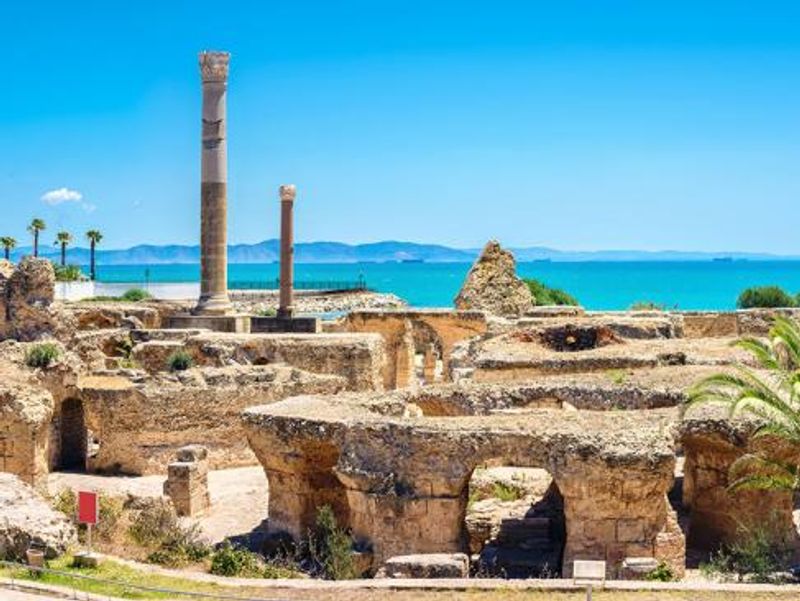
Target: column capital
(214, 66)
(288, 192)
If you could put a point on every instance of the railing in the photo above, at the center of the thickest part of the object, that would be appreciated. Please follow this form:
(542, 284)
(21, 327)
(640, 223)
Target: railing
(358, 285)
(125, 586)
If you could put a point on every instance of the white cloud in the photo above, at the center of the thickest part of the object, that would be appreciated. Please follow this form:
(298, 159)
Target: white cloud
(56, 197)
(88, 207)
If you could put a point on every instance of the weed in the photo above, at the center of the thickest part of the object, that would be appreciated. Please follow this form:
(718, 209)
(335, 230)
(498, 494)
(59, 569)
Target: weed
(179, 361)
(42, 355)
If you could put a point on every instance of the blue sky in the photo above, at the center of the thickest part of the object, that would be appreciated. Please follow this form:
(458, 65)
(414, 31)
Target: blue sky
(577, 125)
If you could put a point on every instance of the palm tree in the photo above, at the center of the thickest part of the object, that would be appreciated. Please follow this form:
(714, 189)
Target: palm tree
(36, 226)
(8, 243)
(63, 239)
(95, 238)
(772, 397)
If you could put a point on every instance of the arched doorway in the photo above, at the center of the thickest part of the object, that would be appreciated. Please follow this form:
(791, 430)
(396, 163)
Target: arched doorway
(74, 436)
(515, 522)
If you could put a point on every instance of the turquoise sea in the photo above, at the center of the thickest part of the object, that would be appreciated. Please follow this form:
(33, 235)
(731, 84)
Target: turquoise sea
(597, 285)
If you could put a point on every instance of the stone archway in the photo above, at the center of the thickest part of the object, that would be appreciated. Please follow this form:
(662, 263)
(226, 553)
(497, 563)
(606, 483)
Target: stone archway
(515, 521)
(74, 436)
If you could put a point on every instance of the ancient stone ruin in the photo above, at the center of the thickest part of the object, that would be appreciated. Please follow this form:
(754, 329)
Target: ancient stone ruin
(394, 417)
(492, 285)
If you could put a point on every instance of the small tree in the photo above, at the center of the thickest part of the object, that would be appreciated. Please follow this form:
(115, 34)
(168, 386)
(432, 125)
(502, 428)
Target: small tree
(95, 237)
(36, 226)
(9, 244)
(63, 239)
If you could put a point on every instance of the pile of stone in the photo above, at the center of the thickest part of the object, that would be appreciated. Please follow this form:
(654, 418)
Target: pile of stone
(318, 304)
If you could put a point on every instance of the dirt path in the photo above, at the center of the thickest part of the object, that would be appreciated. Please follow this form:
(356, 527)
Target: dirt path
(238, 496)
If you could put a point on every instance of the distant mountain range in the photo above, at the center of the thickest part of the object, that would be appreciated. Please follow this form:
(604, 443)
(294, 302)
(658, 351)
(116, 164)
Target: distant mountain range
(388, 251)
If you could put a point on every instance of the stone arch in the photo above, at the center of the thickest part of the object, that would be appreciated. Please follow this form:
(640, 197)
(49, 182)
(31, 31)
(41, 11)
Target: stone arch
(73, 436)
(428, 351)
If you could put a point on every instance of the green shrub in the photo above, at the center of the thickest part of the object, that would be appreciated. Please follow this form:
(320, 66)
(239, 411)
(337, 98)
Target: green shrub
(229, 560)
(647, 306)
(506, 492)
(179, 361)
(134, 295)
(158, 527)
(331, 547)
(267, 312)
(153, 522)
(663, 573)
(544, 295)
(758, 554)
(68, 273)
(42, 355)
(765, 297)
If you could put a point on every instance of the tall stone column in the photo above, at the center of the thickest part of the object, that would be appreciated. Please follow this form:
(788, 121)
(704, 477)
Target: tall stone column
(286, 308)
(213, 188)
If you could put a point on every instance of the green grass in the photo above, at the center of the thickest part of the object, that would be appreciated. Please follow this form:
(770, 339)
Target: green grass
(647, 305)
(506, 492)
(111, 570)
(617, 376)
(42, 355)
(134, 295)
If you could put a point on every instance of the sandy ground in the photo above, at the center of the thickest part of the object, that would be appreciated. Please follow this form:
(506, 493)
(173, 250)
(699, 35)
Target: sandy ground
(239, 500)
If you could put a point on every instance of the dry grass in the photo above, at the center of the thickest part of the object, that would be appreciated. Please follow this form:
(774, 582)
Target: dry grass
(513, 595)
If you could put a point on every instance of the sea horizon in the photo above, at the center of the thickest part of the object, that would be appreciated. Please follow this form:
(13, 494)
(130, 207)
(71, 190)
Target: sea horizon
(598, 285)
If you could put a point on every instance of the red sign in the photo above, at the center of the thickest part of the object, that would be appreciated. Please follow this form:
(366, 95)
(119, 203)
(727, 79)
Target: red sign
(87, 507)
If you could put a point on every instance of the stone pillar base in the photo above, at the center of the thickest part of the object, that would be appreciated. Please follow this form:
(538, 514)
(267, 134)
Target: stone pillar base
(187, 481)
(218, 304)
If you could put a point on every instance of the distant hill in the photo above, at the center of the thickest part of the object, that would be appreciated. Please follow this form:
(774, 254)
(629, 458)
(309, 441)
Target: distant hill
(388, 251)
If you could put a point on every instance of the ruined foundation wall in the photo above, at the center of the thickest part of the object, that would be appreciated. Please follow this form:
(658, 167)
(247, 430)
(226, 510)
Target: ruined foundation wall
(358, 358)
(141, 425)
(397, 328)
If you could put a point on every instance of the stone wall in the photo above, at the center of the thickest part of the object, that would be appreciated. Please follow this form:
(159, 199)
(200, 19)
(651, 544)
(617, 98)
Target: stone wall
(358, 358)
(30, 401)
(141, 421)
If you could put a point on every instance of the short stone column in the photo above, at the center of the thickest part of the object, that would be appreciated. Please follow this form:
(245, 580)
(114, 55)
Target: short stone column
(187, 481)
(213, 188)
(285, 307)
(429, 365)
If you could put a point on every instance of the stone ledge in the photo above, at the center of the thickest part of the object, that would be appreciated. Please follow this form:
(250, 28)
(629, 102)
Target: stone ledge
(235, 324)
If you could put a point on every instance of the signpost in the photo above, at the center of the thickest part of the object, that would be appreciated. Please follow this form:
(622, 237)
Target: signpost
(589, 572)
(89, 514)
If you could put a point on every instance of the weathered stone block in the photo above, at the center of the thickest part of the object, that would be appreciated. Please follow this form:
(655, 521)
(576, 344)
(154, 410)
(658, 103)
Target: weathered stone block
(428, 565)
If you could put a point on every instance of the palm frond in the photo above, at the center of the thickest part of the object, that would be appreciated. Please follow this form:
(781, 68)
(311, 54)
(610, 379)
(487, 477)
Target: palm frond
(757, 472)
(762, 351)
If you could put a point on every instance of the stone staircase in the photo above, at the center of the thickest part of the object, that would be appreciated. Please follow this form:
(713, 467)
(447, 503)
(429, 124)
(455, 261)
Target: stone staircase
(527, 547)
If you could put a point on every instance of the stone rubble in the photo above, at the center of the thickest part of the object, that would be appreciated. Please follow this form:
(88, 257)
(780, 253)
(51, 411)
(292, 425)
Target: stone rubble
(27, 520)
